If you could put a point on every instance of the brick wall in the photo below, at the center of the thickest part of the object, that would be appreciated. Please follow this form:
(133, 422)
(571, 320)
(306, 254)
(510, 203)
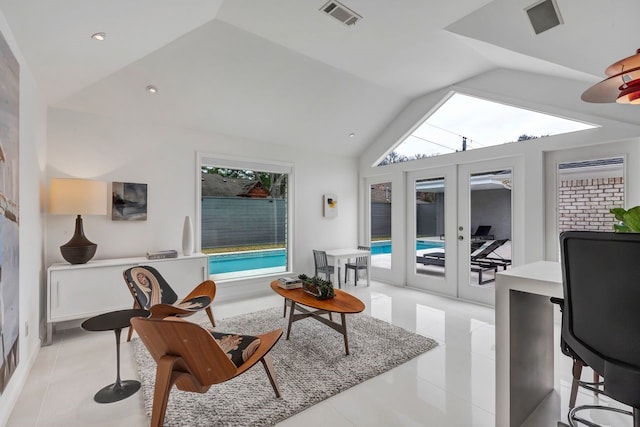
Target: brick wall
(583, 204)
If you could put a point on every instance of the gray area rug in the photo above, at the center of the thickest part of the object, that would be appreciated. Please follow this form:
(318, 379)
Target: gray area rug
(310, 367)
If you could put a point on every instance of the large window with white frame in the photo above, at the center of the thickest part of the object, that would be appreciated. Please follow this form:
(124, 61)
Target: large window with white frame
(244, 216)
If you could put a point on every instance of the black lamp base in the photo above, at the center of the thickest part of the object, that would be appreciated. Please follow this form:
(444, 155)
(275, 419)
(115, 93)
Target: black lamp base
(78, 250)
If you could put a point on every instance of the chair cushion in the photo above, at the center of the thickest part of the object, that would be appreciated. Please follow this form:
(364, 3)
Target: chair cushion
(238, 348)
(195, 303)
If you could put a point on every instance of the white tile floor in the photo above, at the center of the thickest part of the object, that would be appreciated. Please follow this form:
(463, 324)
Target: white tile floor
(451, 385)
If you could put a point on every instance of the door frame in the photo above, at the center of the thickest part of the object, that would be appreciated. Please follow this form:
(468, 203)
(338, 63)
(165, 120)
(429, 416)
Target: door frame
(448, 284)
(485, 294)
(456, 281)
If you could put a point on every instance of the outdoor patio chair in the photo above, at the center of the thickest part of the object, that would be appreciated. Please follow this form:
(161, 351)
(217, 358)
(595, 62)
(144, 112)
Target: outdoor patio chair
(360, 264)
(194, 358)
(480, 260)
(482, 233)
(151, 292)
(487, 256)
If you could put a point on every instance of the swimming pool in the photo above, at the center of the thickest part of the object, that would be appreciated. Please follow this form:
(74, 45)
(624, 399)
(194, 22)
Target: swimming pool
(384, 247)
(247, 260)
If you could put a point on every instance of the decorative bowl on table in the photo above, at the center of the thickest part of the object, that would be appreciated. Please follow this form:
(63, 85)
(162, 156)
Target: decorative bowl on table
(319, 288)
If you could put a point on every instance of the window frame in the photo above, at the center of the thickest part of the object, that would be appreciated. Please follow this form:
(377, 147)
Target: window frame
(231, 162)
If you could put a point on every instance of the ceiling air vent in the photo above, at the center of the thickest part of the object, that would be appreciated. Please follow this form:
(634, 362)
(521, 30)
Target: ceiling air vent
(341, 12)
(544, 15)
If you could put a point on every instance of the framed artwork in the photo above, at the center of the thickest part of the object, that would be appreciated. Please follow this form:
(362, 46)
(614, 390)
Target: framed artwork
(9, 214)
(330, 205)
(128, 201)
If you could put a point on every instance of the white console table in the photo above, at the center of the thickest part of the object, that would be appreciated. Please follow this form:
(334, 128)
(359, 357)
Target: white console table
(524, 341)
(84, 290)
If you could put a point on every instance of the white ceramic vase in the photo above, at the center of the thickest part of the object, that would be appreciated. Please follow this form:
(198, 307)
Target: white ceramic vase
(187, 236)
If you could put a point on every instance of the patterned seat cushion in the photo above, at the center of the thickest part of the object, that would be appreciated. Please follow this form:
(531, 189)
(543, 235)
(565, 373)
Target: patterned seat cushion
(238, 348)
(195, 303)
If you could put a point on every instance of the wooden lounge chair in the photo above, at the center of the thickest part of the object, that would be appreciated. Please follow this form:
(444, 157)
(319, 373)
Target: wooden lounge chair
(151, 292)
(193, 358)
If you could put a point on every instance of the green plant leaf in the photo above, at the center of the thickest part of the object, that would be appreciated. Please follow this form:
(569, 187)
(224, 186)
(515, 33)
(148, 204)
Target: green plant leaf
(619, 213)
(621, 228)
(632, 219)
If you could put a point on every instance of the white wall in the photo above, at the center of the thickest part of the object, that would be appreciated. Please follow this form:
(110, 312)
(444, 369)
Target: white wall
(32, 271)
(541, 93)
(87, 146)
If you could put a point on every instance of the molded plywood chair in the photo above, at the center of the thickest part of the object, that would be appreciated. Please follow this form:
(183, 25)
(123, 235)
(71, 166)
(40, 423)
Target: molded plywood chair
(151, 292)
(194, 358)
(322, 266)
(600, 318)
(360, 264)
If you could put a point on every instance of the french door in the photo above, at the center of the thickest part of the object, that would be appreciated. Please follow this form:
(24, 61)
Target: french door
(445, 207)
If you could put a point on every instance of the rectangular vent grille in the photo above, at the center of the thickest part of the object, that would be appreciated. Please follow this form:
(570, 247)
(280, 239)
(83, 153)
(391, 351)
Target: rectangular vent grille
(544, 15)
(340, 12)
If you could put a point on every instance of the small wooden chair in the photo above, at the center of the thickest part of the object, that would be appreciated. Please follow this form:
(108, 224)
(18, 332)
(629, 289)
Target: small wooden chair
(193, 358)
(151, 292)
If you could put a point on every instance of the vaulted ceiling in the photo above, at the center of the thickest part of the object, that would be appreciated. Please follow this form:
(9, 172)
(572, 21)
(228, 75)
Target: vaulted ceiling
(280, 71)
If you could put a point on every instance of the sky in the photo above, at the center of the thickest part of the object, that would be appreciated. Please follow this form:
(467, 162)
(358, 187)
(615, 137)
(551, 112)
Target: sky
(484, 123)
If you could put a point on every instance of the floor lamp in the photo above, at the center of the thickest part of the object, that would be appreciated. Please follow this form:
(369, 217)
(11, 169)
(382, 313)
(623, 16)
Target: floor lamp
(68, 196)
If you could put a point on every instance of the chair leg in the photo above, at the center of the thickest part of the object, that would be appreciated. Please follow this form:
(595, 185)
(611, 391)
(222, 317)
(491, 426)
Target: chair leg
(636, 417)
(577, 372)
(210, 314)
(135, 305)
(267, 362)
(346, 270)
(165, 378)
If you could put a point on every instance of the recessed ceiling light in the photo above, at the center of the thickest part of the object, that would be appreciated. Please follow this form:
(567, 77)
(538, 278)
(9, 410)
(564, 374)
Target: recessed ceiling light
(152, 89)
(352, 135)
(99, 36)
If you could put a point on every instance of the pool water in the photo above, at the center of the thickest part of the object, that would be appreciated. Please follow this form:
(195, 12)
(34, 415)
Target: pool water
(248, 260)
(384, 247)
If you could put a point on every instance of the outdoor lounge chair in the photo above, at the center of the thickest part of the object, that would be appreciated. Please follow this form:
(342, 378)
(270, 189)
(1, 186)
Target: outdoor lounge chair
(480, 260)
(482, 233)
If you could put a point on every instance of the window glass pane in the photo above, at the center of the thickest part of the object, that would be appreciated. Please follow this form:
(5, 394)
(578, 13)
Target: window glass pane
(587, 190)
(244, 221)
(430, 223)
(465, 123)
(381, 225)
(490, 220)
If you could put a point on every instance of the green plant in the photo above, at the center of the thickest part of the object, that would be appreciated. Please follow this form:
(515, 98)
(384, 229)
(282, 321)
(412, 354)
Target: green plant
(323, 288)
(629, 220)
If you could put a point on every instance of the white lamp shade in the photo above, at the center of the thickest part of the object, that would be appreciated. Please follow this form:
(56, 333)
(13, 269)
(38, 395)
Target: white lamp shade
(68, 196)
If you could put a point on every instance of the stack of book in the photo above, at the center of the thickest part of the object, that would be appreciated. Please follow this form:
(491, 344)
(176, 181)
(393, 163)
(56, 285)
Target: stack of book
(289, 283)
(162, 254)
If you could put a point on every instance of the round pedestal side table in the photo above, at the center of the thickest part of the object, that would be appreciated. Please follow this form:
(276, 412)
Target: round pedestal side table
(115, 321)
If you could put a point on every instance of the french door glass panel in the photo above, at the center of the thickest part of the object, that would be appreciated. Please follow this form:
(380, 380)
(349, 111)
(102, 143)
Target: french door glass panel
(485, 215)
(430, 208)
(380, 211)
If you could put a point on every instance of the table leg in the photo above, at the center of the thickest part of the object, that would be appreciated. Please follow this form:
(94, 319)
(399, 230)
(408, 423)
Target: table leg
(120, 389)
(293, 307)
(344, 332)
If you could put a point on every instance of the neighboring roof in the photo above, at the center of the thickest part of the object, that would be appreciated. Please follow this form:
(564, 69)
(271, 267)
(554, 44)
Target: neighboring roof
(220, 186)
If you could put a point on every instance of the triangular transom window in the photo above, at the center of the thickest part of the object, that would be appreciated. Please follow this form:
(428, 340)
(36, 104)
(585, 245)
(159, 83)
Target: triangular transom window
(465, 123)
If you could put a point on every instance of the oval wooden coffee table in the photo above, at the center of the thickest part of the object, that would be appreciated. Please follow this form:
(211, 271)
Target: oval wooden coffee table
(343, 303)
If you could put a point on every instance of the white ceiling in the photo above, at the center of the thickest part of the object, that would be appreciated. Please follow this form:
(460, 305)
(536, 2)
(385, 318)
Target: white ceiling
(280, 71)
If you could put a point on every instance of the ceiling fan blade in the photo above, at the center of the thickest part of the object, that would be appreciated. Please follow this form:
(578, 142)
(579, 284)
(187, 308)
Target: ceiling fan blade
(608, 90)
